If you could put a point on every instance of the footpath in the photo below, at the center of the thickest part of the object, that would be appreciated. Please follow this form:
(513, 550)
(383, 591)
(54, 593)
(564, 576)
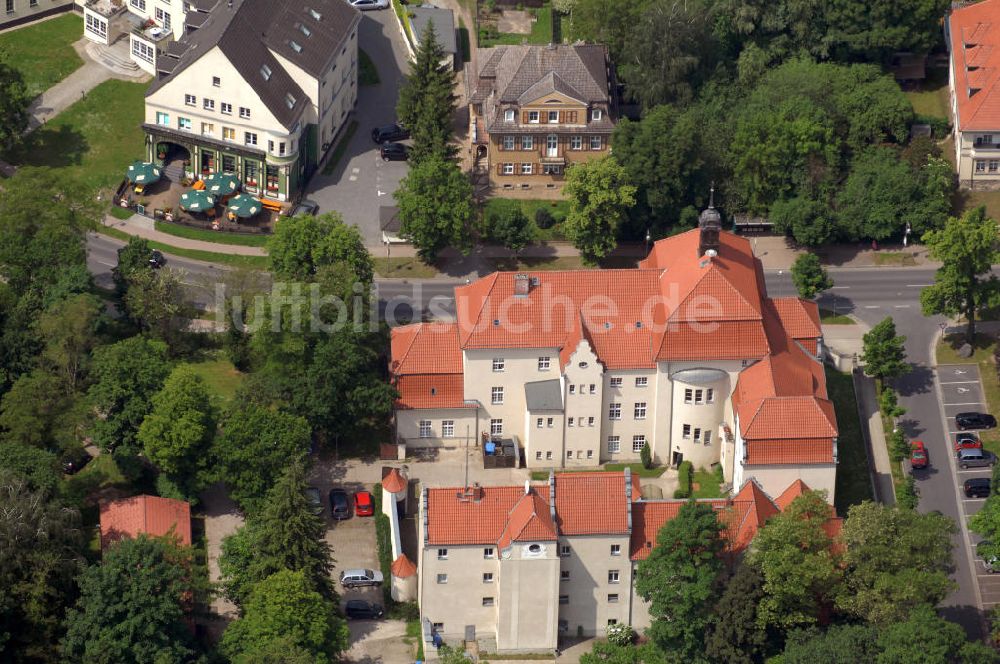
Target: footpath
(774, 252)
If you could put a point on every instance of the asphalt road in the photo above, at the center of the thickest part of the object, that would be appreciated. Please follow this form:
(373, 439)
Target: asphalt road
(361, 181)
(869, 294)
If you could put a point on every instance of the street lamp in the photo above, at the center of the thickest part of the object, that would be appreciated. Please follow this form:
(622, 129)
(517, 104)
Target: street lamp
(648, 238)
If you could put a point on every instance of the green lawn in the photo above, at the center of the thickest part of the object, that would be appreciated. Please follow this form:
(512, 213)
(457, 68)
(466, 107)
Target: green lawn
(404, 267)
(827, 317)
(43, 52)
(894, 258)
(931, 98)
(708, 485)
(119, 212)
(637, 469)
(191, 233)
(367, 73)
(853, 480)
(530, 206)
(219, 374)
(541, 31)
(251, 262)
(93, 141)
(341, 148)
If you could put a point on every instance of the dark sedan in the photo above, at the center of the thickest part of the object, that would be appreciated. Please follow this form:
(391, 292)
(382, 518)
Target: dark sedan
(393, 132)
(977, 487)
(358, 608)
(394, 152)
(975, 421)
(340, 506)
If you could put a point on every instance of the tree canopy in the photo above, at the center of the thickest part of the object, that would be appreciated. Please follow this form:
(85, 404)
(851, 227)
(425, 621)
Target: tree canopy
(599, 197)
(14, 103)
(435, 206)
(427, 100)
(884, 354)
(300, 246)
(809, 276)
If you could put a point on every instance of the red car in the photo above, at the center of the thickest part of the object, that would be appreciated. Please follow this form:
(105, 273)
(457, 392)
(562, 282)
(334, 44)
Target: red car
(364, 504)
(967, 441)
(918, 455)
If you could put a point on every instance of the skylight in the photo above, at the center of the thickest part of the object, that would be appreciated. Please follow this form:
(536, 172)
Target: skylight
(265, 71)
(315, 14)
(305, 30)
(290, 100)
(295, 46)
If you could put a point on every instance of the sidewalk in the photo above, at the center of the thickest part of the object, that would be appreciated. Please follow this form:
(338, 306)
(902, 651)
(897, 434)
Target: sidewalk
(775, 253)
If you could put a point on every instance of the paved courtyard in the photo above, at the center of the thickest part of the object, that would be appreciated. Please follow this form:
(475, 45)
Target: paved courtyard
(361, 181)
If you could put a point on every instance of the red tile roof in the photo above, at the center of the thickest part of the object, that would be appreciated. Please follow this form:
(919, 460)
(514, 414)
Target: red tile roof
(975, 52)
(393, 481)
(593, 502)
(455, 519)
(799, 317)
(794, 451)
(426, 348)
(431, 391)
(402, 567)
(528, 520)
(153, 515)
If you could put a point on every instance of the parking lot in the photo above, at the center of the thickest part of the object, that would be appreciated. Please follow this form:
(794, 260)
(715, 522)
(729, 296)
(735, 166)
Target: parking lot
(961, 391)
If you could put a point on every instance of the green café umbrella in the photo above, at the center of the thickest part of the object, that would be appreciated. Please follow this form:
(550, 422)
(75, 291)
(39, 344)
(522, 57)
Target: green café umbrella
(142, 172)
(244, 206)
(221, 184)
(197, 201)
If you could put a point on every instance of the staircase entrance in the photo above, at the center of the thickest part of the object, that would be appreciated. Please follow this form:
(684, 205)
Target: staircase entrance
(173, 157)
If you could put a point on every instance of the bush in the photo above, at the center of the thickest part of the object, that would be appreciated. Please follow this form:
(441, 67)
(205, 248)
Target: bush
(621, 634)
(646, 456)
(720, 474)
(383, 547)
(684, 473)
(888, 403)
(940, 127)
(544, 218)
(899, 447)
(907, 495)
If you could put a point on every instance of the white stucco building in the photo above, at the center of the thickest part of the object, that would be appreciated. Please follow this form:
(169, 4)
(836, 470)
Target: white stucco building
(687, 354)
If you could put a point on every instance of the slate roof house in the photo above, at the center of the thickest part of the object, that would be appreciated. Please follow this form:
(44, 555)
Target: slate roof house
(535, 110)
(259, 89)
(687, 354)
(515, 568)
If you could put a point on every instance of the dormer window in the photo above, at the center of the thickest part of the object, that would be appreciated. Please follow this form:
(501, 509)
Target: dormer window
(305, 30)
(315, 14)
(533, 117)
(295, 46)
(553, 117)
(508, 115)
(265, 71)
(596, 114)
(289, 101)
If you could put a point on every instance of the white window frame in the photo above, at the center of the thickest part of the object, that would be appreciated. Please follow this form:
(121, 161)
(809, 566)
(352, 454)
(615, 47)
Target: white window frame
(533, 117)
(616, 549)
(615, 381)
(697, 434)
(184, 124)
(226, 108)
(508, 169)
(162, 119)
(614, 444)
(208, 129)
(539, 423)
(249, 138)
(590, 421)
(641, 381)
(596, 143)
(565, 551)
(612, 599)
(709, 395)
(442, 554)
(496, 396)
(639, 410)
(488, 553)
(596, 114)
(499, 364)
(544, 362)
(576, 142)
(570, 421)
(638, 442)
(489, 601)
(496, 426)
(614, 577)
(244, 113)
(590, 454)
(190, 100)
(550, 422)
(572, 388)
(442, 578)
(229, 133)
(425, 430)
(526, 169)
(508, 142)
(685, 431)
(527, 142)
(688, 395)
(447, 428)
(706, 437)
(548, 456)
(699, 397)
(614, 410)
(508, 115)
(563, 575)
(553, 117)
(487, 577)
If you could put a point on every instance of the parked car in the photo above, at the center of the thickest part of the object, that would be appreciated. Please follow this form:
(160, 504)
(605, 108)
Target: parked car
(975, 458)
(977, 487)
(918, 455)
(975, 421)
(393, 132)
(74, 461)
(364, 5)
(359, 608)
(340, 507)
(356, 578)
(394, 151)
(315, 499)
(987, 553)
(967, 441)
(156, 259)
(364, 504)
(306, 207)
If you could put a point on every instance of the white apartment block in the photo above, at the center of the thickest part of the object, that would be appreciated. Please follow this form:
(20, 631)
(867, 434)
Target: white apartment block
(17, 12)
(687, 354)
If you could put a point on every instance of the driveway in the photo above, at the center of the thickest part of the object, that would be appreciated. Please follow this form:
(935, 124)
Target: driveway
(961, 391)
(361, 181)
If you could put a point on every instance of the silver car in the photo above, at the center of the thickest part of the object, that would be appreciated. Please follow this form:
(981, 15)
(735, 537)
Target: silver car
(364, 5)
(356, 578)
(975, 458)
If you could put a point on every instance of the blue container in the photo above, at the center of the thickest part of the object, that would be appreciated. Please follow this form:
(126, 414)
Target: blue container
(491, 447)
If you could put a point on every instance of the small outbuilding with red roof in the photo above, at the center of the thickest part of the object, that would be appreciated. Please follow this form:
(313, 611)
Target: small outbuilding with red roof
(150, 515)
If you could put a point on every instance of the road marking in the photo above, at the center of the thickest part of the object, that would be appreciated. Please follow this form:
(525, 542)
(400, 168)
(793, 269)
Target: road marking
(971, 470)
(961, 372)
(902, 306)
(839, 287)
(107, 264)
(381, 193)
(353, 178)
(871, 306)
(965, 403)
(973, 500)
(355, 170)
(960, 382)
(919, 285)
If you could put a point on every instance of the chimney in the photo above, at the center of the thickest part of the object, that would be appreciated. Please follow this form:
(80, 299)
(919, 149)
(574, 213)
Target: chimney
(522, 285)
(709, 227)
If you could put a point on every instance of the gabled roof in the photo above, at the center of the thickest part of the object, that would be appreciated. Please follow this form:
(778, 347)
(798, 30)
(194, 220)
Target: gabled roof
(794, 490)
(551, 82)
(393, 481)
(974, 35)
(248, 31)
(152, 515)
(528, 520)
(431, 391)
(593, 502)
(456, 517)
(799, 318)
(425, 348)
(507, 72)
(402, 567)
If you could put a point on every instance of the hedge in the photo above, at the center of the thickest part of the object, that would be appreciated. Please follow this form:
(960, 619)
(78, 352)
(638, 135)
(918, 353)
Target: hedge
(684, 473)
(383, 545)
